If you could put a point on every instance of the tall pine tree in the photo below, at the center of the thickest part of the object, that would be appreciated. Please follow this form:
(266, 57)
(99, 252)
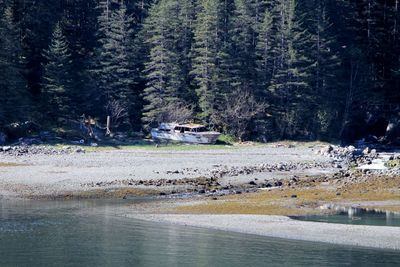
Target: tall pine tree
(113, 68)
(13, 95)
(57, 82)
(211, 62)
(166, 69)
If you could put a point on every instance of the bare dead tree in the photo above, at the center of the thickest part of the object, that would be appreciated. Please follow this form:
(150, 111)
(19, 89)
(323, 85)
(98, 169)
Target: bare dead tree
(175, 113)
(240, 109)
(116, 113)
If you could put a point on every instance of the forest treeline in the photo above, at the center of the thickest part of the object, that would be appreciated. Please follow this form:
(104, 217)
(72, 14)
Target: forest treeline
(256, 69)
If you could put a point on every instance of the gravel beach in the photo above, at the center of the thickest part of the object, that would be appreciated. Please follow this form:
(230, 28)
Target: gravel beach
(41, 174)
(284, 227)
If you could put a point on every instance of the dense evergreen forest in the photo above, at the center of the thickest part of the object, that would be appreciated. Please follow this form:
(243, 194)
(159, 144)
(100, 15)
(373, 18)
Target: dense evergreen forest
(255, 69)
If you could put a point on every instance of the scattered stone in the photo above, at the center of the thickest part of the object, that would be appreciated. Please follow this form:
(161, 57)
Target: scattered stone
(366, 151)
(79, 150)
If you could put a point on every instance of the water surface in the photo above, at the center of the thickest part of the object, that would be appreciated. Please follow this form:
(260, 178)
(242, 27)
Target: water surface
(356, 216)
(92, 233)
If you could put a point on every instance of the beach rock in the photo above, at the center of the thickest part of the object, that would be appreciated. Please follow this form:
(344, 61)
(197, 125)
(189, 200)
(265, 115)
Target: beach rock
(366, 151)
(79, 150)
(6, 148)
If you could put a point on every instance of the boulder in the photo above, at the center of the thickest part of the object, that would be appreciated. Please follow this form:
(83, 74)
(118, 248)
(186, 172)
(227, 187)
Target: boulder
(20, 129)
(6, 148)
(366, 151)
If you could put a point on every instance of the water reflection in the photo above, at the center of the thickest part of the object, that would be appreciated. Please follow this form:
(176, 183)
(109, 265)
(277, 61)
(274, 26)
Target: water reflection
(351, 215)
(93, 233)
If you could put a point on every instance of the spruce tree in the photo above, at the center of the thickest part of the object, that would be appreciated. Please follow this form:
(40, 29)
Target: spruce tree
(13, 94)
(264, 53)
(325, 68)
(166, 69)
(243, 32)
(290, 78)
(210, 58)
(57, 83)
(113, 68)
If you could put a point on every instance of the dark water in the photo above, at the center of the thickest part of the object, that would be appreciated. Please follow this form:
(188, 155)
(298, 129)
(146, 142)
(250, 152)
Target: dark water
(356, 216)
(90, 234)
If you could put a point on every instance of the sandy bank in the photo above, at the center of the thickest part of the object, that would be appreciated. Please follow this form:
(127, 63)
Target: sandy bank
(284, 227)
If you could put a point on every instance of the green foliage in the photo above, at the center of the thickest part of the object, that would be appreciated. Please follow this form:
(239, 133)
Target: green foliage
(14, 98)
(320, 68)
(113, 68)
(393, 163)
(167, 35)
(57, 83)
(210, 58)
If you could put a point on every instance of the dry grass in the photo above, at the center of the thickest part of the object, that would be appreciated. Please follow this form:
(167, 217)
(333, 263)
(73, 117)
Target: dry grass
(11, 164)
(100, 194)
(274, 202)
(373, 189)
(307, 200)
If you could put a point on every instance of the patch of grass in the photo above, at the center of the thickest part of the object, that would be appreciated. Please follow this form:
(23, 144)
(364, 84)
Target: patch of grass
(11, 164)
(274, 202)
(116, 193)
(300, 201)
(373, 189)
(227, 139)
(393, 163)
(148, 147)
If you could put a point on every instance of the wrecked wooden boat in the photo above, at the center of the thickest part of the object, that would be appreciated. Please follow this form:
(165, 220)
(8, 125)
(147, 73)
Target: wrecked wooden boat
(187, 133)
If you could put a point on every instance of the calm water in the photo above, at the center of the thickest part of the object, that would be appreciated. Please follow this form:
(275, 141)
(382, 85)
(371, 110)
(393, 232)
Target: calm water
(356, 216)
(90, 234)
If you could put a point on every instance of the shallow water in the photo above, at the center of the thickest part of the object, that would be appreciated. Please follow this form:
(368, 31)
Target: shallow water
(356, 216)
(91, 233)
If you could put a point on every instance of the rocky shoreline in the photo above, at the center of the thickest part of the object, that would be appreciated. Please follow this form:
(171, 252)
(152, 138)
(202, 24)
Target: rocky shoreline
(30, 150)
(55, 172)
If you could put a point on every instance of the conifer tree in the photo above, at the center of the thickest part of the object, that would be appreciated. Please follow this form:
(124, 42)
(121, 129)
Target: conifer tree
(264, 53)
(113, 68)
(166, 82)
(243, 31)
(210, 58)
(57, 83)
(13, 94)
(290, 79)
(325, 68)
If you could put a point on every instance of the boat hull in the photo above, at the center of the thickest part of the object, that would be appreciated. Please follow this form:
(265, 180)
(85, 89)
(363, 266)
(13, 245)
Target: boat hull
(193, 138)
